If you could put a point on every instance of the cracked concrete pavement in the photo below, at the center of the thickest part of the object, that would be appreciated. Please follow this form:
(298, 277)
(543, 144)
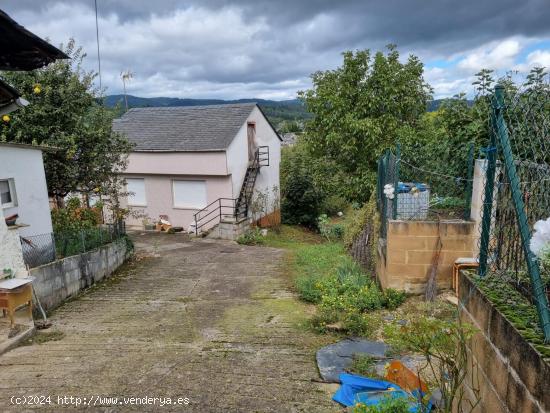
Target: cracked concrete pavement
(211, 321)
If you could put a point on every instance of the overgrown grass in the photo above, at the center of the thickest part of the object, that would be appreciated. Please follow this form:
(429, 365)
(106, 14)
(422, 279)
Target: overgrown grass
(516, 308)
(291, 237)
(325, 275)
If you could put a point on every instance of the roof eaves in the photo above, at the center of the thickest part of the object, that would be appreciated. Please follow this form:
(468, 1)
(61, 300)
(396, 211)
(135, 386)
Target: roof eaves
(22, 49)
(177, 150)
(43, 148)
(269, 122)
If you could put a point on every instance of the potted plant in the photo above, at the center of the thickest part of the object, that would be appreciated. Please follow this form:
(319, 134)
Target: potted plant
(147, 224)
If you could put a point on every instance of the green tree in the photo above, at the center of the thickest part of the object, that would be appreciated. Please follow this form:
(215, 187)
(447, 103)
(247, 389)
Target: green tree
(359, 109)
(65, 113)
(301, 200)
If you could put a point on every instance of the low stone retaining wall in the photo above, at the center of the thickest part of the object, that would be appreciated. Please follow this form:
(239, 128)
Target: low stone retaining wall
(229, 230)
(507, 372)
(406, 260)
(62, 279)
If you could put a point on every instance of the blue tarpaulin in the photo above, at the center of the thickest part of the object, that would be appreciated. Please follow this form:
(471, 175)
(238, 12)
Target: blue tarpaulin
(358, 389)
(405, 187)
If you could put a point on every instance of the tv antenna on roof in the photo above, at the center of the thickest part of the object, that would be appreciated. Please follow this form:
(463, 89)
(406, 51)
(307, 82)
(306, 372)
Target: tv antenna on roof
(126, 76)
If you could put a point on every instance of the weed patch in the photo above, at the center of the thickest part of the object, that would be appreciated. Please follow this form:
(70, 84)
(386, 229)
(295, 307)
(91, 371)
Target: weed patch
(42, 337)
(325, 275)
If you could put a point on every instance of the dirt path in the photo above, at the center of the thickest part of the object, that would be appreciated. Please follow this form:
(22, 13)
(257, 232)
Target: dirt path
(210, 321)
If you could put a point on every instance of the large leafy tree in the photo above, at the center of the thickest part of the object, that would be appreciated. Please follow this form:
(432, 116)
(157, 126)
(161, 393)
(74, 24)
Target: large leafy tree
(65, 113)
(361, 108)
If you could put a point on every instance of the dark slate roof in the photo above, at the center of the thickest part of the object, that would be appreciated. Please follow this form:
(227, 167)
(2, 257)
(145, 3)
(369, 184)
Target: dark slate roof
(7, 94)
(183, 128)
(23, 50)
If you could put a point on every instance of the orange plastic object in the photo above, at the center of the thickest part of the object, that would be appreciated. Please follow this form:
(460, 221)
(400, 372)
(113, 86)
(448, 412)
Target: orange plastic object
(398, 373)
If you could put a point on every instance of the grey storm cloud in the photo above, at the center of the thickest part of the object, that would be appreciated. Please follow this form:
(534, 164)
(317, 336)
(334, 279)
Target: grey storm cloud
(267, 48)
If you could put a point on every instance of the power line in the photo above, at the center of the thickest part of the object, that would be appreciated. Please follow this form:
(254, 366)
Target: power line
(455, 178)
(98, 54)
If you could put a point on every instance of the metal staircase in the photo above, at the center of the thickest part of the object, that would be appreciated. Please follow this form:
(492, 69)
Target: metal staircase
(234, 210)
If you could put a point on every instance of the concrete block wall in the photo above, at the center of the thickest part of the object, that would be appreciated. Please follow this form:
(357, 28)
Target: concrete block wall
(410, 247)
(505, 372)
(229, 230)
(62, 279)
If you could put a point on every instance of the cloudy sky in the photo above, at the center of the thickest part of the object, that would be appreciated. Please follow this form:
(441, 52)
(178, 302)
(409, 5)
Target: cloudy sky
(268, 48)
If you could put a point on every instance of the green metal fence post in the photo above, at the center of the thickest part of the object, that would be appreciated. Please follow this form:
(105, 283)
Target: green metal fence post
(469, 183)
(486, 218)
(541, 300)
(396, 180)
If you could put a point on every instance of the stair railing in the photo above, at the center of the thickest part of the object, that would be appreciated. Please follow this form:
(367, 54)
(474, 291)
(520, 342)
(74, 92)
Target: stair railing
(223, 207)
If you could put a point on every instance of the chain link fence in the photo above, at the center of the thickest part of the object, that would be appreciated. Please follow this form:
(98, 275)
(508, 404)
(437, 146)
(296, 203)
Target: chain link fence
(45, 248)
(408, 190)
(517, 194)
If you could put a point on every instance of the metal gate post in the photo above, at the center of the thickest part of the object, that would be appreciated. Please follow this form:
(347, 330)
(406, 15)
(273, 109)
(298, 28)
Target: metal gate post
(469, 183)
(541, 300)
(396, 180)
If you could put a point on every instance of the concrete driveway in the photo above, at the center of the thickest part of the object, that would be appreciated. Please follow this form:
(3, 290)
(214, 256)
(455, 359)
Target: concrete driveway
(211, 323)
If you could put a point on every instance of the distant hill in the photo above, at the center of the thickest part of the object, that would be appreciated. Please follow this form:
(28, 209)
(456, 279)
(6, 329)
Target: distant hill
(436, 103)
(277, 111)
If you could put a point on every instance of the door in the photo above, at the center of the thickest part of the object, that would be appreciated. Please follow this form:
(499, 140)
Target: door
(251, 133)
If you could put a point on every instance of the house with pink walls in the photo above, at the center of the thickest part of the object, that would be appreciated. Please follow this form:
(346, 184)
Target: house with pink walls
(201, 165)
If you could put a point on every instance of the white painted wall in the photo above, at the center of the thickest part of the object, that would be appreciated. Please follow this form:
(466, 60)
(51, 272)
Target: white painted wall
(25, 166)
(237, 158)
(11, 255)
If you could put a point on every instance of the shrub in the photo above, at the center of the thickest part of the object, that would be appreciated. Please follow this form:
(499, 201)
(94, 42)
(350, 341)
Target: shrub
(393, 298)
(301, 200)
(251, 237)
(328, 230)
(74, 217)
(448, 202)
(334, 204)
(308, 287)
(364, 365)
(444, 344)
(347, 295)
(358, 220)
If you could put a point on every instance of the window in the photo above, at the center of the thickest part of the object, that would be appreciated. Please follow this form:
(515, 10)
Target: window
(136, 189)
(189, 194)
(7, 193)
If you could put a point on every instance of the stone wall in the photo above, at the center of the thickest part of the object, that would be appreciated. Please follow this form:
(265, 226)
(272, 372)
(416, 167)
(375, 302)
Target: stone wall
(229, 230)
(62, 279)
(507, 373)
(11, 256)
(406, 260)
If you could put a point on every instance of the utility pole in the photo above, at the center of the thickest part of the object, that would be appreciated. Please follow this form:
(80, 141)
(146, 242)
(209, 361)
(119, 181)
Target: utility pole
(98, 54)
